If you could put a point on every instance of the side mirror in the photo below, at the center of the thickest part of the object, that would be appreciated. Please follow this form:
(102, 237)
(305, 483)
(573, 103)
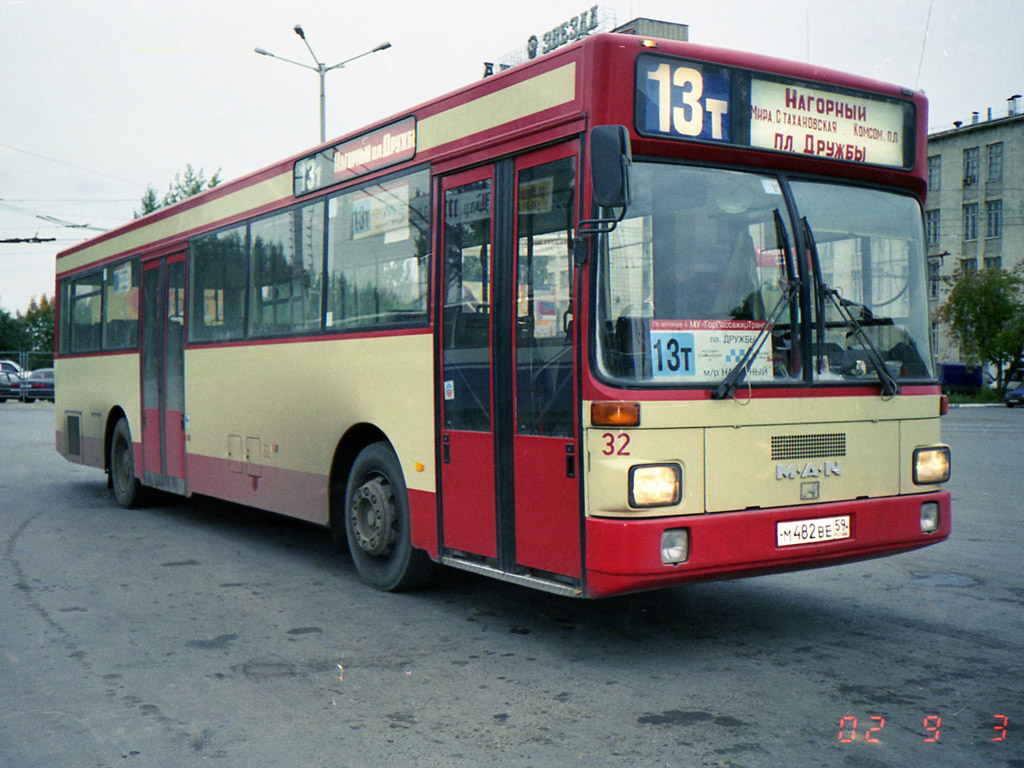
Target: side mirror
(610, 162)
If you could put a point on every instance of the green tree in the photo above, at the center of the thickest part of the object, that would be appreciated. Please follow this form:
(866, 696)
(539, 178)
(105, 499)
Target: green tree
(38, 325)
(12, 333)
(985, 312)
(192, 182)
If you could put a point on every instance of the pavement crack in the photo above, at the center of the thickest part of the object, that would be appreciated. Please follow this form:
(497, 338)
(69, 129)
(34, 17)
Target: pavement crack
(23, 583)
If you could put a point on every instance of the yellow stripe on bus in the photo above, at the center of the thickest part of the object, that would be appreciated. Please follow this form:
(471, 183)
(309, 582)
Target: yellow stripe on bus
(218, 209)
(551, 89)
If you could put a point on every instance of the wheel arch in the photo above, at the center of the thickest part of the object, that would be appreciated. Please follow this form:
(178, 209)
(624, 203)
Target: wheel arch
(115, 415)
(355, 439)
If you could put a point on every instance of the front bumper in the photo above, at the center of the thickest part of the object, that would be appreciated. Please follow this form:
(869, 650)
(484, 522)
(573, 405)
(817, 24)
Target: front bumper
(625, 555)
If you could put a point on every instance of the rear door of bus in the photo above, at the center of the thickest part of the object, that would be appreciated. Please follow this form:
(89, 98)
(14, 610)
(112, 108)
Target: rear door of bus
(163, 383)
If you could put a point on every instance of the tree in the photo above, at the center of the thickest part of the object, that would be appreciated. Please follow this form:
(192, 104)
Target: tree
(985, 312)
(12, 333)
(191, 183)
(38, 324)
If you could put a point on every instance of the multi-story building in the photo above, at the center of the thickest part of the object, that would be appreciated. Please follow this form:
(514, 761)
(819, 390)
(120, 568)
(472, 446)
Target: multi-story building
(974, 214)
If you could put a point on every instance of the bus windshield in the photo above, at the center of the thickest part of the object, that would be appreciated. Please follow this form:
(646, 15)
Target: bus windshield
(870, 251)
(705, 256)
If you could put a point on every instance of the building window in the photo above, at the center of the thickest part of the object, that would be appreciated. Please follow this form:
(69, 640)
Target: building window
(995, 162)
(993, 262)
(971, 221)
(968, 266)
(994, 212)
(934, 337)
(931, 227)
(934, 172)
(970, 166)
(933, 278)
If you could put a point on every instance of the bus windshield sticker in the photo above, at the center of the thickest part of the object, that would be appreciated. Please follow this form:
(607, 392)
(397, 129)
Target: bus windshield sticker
(705, 349)
(818, 122)
(356, 157)
(449, 390)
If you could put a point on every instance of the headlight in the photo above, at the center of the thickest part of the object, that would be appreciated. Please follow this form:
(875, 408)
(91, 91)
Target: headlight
(655, 485)
(930, 517)
(931, 465)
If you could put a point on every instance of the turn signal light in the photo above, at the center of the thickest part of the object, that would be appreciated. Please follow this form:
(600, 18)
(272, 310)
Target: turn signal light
(615, 414)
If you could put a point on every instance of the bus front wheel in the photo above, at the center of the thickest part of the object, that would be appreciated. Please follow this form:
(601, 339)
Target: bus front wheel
(377, 523)
(127, 488)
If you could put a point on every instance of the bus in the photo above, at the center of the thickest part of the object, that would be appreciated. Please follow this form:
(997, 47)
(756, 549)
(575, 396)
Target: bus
(634, 313)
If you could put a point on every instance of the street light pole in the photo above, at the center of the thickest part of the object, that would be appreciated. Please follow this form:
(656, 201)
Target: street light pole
(321, 69)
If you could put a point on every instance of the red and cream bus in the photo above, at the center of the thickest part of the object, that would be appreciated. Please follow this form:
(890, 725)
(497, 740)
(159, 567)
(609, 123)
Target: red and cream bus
(632, 314)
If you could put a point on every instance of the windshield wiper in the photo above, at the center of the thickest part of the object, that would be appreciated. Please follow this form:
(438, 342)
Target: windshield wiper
(889, 385)
(728, 385)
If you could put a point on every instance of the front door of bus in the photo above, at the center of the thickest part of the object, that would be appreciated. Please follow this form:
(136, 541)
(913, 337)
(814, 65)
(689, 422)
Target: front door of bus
(163, 364)
(509, 486)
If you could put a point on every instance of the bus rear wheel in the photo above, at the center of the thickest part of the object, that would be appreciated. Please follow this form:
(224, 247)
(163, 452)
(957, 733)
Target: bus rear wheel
(127, 488)
(377, 523)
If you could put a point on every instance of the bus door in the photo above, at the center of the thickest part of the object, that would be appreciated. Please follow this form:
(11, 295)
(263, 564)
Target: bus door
(509, 488)
(163, 381)
(467, 423)
(544, 449)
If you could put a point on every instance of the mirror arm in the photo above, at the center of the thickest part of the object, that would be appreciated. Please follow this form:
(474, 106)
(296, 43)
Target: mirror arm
(591, 227)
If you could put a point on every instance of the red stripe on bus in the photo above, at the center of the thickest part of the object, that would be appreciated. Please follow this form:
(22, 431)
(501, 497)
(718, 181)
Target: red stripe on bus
(287, 491)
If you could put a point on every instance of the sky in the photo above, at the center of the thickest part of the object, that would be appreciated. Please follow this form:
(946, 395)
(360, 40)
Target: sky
(99, 100)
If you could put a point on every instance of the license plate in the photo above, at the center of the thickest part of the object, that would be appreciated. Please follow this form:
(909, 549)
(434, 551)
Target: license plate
(812, 531)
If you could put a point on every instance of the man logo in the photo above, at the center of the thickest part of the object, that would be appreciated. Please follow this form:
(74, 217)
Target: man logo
(809, 470)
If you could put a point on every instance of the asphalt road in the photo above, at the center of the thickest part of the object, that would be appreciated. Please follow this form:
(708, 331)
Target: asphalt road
(199, 633)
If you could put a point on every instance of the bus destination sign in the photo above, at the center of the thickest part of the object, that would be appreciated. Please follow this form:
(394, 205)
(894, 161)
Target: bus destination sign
(682, 99)
(356, 157)
(824, 123)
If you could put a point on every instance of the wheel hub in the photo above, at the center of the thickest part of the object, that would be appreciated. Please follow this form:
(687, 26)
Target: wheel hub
(374, 517)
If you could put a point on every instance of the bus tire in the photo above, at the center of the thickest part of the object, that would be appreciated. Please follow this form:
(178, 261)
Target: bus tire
(377, 523)
(127, 488)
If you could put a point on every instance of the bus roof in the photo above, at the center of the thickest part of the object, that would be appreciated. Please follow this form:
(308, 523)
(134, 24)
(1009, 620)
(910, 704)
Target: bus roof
(545, 94)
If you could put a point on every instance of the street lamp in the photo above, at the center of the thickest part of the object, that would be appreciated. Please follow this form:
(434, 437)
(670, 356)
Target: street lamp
(321, 70)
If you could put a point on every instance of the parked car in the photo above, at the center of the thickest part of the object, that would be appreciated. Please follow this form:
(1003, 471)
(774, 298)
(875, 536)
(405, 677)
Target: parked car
(1013, 397)
(10, 386)
(9, 366)
(38, 385)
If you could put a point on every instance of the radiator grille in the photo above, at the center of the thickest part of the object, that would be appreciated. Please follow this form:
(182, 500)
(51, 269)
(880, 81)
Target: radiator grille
(787, 447)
